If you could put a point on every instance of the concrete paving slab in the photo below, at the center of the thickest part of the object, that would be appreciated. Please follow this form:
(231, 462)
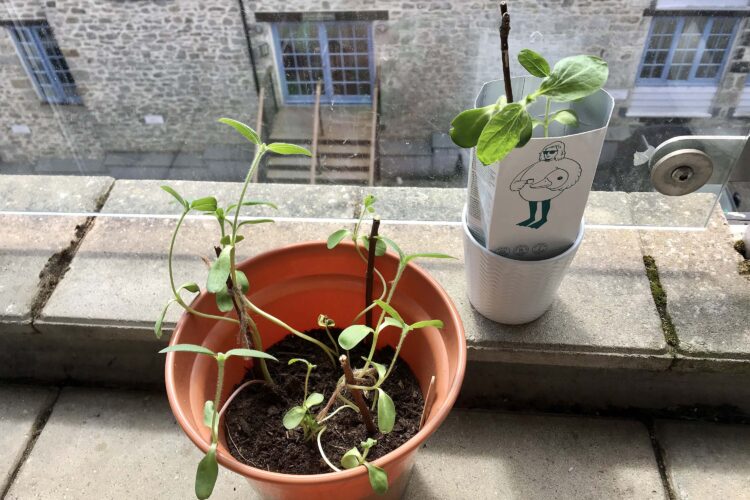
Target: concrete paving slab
(46, 193)
(111, 444)
(486, 455)
(706, 460)
(707, 298)
(20, 406)
(658, 210)
(604, 314)
(146, 197)
(608, 209)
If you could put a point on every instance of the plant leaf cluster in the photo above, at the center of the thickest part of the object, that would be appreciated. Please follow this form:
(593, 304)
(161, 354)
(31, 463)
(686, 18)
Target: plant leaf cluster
(354, 458)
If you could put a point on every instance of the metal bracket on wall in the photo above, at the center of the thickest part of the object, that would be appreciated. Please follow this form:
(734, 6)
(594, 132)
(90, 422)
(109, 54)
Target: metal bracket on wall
(685, 164)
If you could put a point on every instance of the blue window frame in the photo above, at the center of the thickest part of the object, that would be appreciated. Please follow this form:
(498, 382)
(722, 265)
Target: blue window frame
(686, 50)
(337, 53)
(45, 63)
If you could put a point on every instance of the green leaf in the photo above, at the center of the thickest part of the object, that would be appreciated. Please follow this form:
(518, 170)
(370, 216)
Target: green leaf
(526, 134)
(369, 200)
(353, 335)
(160, 321)
(423, 324)
(176, 195)
(224, 300)
(380, 368)
(243, 129)
(534, 63)
(390, 310)
(428, 255)
(233, 206)
(243, 281)
(314, 399)
(502, 133)
(575, 77)
(388, 321)
(208, 413)
(468, 125)
(393, 245)
(249, 353)
(566, 117)
(205, 476)
(283, 148)
(188, 348)
(351, 459)
(207, 204)
(300, 360)
(336, 238)
(386, 412)
(380, 246)
(219, 272)
(226, 239)
(254, 221)
(366, 445)
(191, 287)
(294, 417)
(378, 478)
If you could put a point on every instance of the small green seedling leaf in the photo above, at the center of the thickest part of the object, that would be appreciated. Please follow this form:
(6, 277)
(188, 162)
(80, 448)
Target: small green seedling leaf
(243, 129)
(254, 221)
(413, 256)
(232, 207)
(575, 77)
(566, 117)
(390, 311)
(353, 335)
(176, 195)
(388, 321)
(188, 348)
(224, 300)
(380, 368)
(423, 324)
(219, 272)
(191, 287)
(283, 148)
(380, 246)
(300, 360)
(394, 246)
(336, 238)
(351, 459)
(378, 478)
(160, 321)
(249, 353)
(207, 204)
(502, 133)
(386, 412)
(468, 125)
(369, 200)
(226, 239)
(534, 63)
(205, 476)
(208, 413)
(294, 417)
(366, 445)
(243, 281)
(313, 399)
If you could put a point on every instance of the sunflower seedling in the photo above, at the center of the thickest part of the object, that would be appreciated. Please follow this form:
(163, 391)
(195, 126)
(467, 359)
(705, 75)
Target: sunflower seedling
(301, 416)
(354, 458)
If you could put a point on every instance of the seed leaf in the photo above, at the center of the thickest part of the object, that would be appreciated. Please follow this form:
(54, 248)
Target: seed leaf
(249, 353)
(191, 287)
(351, 459)
(336, 238)
(294, 417)
(566, 117)
(207, 204)
(300, 360)
(467, 126)
(160, 321)
(224, 300)
(353, 335)
(208, 413)
(575, 77)
(534, 63)
(428, 256)
(188, 348)
(232, 207)
(394, 246)
(219, 272)
(380, 246)
(283, 148)
(502, 133)
(313, 399)
(243, 281)
(388, 321)
(205, 476)
(174, 193)
(386, 412)
(243, 129)
(390, 310)
(381, 369)
(378, 478)
(430, 322)
(253, 221)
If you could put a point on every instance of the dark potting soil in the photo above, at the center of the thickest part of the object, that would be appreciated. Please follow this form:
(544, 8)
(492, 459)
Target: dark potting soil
(253, 421)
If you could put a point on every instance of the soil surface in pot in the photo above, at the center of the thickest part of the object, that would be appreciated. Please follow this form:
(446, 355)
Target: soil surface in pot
(253, 421)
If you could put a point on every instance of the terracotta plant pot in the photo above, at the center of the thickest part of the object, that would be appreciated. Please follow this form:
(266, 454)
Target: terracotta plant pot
(296, 284)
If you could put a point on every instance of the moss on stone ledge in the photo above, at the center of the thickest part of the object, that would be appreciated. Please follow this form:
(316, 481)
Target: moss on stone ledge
(660, 300)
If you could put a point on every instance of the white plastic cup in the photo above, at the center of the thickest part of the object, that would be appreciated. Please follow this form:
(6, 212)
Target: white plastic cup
(513, 291)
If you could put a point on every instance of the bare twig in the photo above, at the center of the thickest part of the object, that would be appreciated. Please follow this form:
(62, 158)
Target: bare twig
(359, 399)
(371, 268)
(429, 398)
(322, 413)
(504, 32)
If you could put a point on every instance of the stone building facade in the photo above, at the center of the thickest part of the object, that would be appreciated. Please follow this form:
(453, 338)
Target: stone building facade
(189, 62)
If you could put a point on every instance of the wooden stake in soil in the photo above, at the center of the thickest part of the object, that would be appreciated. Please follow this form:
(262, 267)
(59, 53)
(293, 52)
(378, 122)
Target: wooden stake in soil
(359, 399)
(429, 398)
(370, 269)
(504, 32)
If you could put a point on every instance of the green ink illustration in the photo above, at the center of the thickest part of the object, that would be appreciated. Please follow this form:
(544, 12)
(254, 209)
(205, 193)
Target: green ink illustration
(545, 180)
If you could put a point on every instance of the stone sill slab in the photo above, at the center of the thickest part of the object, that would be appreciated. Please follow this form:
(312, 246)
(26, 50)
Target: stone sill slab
(116, 284)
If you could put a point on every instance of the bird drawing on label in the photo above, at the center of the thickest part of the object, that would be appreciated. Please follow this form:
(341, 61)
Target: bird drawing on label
(544, 181)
